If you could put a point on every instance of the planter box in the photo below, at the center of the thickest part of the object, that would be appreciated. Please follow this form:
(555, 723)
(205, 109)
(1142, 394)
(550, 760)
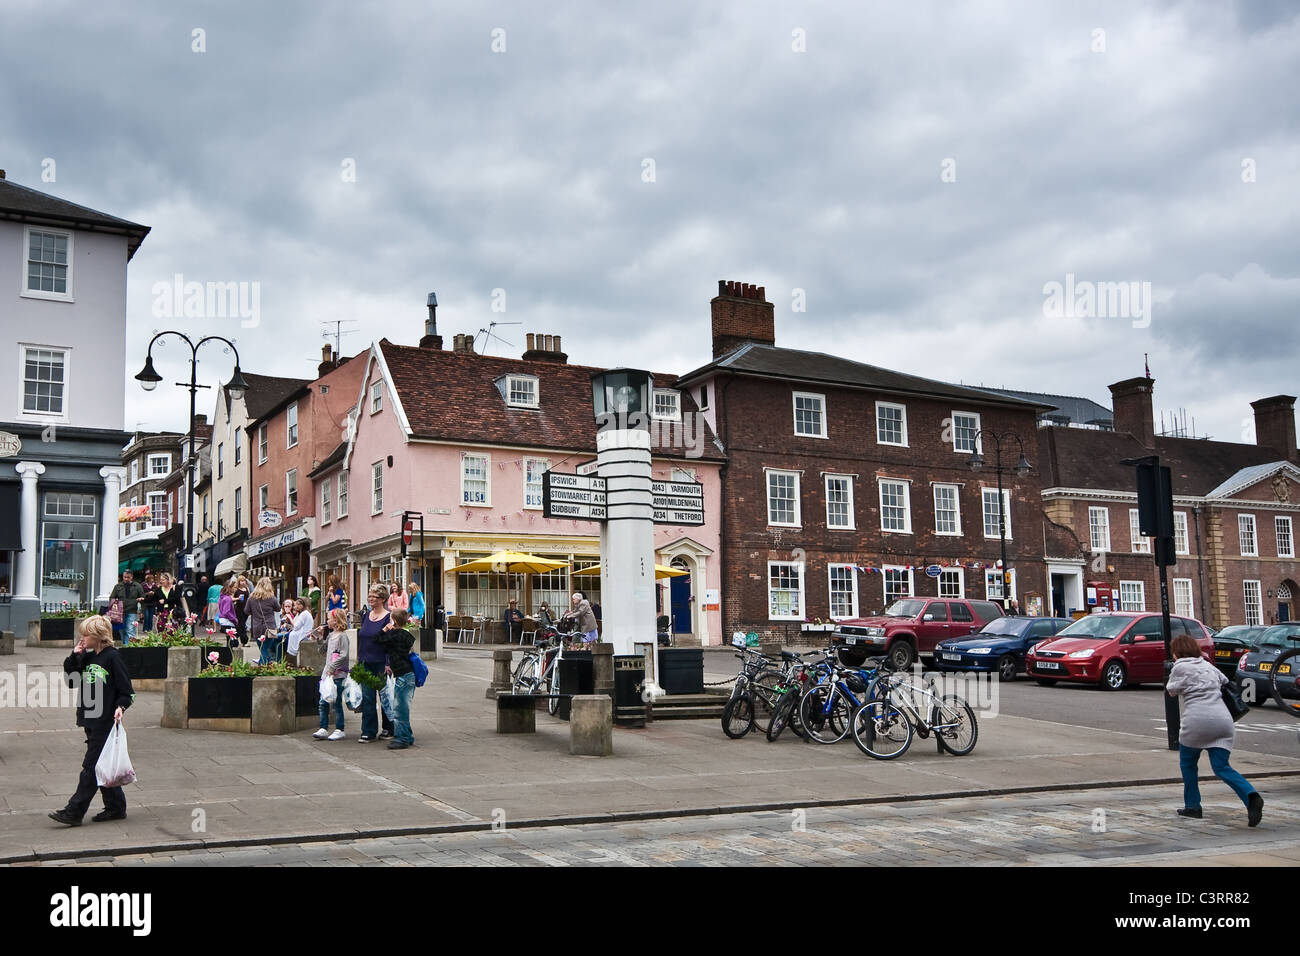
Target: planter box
(307, 696)
(220, 697)
(258, 705)
(224, 655)
(54, 632)
(150, 667)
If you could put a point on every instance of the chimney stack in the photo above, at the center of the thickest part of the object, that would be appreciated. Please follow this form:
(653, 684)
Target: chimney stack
(741, 314)
(2, 174)
(431, 339)
(1275, 425)
(463, 343)
(544, 348)
(1131, 401)
(328, 361)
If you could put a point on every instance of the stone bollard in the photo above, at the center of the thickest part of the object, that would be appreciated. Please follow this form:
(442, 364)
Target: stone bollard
(274, 706)
(429, 643)
(182, 662)
(6, 642)
(516, 714)
(501, 659)
(602, 668)
(176, 703)
(591, 726)
(311, 655)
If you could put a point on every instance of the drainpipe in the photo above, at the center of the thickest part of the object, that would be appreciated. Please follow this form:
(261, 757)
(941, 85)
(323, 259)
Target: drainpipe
(1200, 561)
(720, 415)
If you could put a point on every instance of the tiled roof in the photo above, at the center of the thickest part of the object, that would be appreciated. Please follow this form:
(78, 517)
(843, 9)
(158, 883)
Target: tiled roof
(452, 396)
(330, 460)
(265, 392)
(30, 205)
(1088, 458)
(768, 360)
(1072, 408)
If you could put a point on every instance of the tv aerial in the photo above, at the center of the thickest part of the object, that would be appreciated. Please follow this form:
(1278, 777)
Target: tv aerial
(489, 334)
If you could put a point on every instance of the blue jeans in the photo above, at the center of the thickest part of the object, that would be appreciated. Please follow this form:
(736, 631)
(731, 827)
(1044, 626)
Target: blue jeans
(369, 713)
(324, 708)
(129, 620)
(1189, 757)
(271, 650)
(403, 691)
(148, 618)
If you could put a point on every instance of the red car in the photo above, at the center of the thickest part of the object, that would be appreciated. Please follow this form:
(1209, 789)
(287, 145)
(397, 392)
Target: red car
(1113, 649)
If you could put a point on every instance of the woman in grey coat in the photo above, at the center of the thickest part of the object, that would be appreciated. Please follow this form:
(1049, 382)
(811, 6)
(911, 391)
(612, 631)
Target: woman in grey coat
(1205, 725)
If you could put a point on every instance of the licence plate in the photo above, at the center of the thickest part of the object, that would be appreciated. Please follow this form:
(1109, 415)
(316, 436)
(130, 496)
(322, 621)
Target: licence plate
(952, 657)
(1266, 667)
(850, 640)
(1223, 653)
(1284, 669)
(1048, 666)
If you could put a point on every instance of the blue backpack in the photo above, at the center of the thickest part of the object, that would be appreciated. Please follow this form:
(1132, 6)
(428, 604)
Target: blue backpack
(420, 667)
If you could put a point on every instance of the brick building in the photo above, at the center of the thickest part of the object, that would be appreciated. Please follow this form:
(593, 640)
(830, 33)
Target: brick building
(1236, 509)
(149, 459)
(845, 482)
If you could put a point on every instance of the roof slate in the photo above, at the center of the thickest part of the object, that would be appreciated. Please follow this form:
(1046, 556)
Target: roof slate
(25, 203)
(265, 392)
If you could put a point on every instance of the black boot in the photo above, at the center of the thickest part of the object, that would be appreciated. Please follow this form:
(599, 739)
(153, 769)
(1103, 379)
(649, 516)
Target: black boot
(1254, 809)
(1194, 812)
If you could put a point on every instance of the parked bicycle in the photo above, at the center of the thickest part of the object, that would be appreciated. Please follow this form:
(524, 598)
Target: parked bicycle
(898, 706)
(538, 670)
(827, 707)
(753, 692)
(795, 679)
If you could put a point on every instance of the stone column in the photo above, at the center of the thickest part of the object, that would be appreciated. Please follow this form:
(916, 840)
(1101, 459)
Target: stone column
(25, 576)
(114, 477)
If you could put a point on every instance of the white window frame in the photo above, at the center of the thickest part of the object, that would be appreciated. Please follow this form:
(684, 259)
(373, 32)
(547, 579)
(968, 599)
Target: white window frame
(767, 498)
(1190, 609)
(907, 504)
(956, 503)
(376, 396)
(1279, 521)
(704, 397)
(884, 583)
(290, 501)
(794, 408)
(826, 486)
(263, 445)
(992, 577)
(961, 582)
(56, 417)
(291, 426)
(326, 501)
(263, 498)
(535, 388)
(221, 515)
(546, 466)
(343, 495)
(902, 424)
(1258, 617)
(979, 438)
(1182, 542)
(221, 460)
(1006, 505)
(1127, 605)
(676, 414)
(1137, 543)
(830, 590)
(149, 499)
(134, 472)
(1094, 528)
(167, 466)
(487, 481)
(377, 487)
(798, 614)
(1242, 521)
(239, 444)
(239, 508)
(25, 253)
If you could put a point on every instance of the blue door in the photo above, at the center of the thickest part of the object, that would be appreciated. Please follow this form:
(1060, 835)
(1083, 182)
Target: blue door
(680, 597)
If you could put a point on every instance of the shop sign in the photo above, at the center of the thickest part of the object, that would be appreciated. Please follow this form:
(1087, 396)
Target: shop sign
(10, 445)
(277, 541)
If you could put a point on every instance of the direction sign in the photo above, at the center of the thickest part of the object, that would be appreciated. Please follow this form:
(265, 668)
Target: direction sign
(678, 502)
(587, 467)
(580, 497)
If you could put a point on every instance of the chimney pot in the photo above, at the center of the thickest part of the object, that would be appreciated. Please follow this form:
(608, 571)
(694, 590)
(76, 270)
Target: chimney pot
(557, 345)
(531, 336)
(736, 323)
(1275, 425)
(324, 353)
(1131, 401)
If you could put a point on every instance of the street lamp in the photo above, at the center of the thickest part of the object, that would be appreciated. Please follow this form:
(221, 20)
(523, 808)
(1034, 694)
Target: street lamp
(1019, 469)
(621, 392)
(149, 378)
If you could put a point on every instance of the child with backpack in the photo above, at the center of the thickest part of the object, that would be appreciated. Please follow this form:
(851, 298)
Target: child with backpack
(397, 642)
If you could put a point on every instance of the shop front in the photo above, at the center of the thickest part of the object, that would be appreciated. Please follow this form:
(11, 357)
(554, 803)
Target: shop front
(284, 556)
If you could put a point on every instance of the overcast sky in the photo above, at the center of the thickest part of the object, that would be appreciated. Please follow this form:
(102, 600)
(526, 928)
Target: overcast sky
(920, 171)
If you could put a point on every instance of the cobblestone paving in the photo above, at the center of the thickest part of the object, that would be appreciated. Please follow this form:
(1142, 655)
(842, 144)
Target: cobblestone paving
(1100, 827)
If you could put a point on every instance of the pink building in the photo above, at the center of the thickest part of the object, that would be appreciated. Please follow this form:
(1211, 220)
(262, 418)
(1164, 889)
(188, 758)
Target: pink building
(464, 439)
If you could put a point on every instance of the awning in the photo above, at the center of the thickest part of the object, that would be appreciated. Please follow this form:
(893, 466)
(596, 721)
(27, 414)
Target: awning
(237, 563)
(11, 538)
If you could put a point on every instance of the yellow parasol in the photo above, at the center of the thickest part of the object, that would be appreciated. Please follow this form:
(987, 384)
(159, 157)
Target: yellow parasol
(513, 562)
(661, 571)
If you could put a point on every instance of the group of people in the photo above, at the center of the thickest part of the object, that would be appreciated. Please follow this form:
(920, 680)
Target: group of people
(144, 605)
(584, 615)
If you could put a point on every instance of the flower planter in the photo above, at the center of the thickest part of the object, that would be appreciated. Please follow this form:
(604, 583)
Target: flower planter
(307, 697)
(54, 631)
(219, 698)
(224, 655)
(150, 667)
(258, 705)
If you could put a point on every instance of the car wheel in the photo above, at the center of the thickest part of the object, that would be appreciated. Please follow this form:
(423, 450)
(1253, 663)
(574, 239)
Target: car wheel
(1112, 677)
(901, 655)
(1007, 667)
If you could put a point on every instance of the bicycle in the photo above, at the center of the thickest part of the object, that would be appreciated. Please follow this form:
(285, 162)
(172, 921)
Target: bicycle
(827, 708)
(785, 712)
(883, 727)
(754, 684)
(535, 674)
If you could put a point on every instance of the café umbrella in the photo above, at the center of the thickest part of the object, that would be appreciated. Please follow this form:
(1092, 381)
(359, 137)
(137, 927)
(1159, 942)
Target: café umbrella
(512, 562)
(661, 571)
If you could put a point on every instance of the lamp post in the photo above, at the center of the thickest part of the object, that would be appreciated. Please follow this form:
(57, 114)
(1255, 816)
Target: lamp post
(149, 379)
(1020, 469)
(621, 402)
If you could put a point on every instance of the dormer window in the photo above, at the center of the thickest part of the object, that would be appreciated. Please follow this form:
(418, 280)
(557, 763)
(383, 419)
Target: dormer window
(519, 391)
(667, 405)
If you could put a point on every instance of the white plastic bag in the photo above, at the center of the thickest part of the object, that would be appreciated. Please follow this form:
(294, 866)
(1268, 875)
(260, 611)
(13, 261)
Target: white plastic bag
(388, 691)
(351, 694)
(329, 691)
(113, 769)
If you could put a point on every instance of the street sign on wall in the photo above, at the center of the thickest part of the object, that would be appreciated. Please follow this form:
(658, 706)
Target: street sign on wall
(10, 445)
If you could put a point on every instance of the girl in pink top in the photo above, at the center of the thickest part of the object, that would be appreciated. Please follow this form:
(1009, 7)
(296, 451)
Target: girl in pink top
(398, 599)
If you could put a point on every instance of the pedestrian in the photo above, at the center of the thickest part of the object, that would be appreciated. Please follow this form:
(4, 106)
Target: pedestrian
(336, 669)
(397, 641)
(168, 604)
(374, 657)
(1205, 724)
(581, 613)
(300, 628)
(226, 613)
(335, 599)
(213, 600)
(544, 616)
(148, 600)
(397, 600)
(272, 648)
(417, 603)
(105, 694)
(513, 619)
(262, 610)
(243, 593)
(313, 596)
(129, 593)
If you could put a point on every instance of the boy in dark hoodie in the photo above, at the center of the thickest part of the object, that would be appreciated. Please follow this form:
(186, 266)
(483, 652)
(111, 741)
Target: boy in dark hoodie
(397, 641)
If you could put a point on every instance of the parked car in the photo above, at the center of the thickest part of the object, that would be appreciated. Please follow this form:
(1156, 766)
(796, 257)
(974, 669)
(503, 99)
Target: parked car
(1231, 642)
(1113, 649)
(1000, 645)
(1256, 664)
(910, 627)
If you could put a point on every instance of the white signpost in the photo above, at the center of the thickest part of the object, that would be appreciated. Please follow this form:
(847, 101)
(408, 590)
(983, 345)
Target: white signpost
(677, 502)
(580, 497)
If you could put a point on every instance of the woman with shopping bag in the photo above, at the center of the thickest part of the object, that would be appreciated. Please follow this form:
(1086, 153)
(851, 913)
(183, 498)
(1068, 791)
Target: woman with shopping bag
(335, 671)
(106, 692)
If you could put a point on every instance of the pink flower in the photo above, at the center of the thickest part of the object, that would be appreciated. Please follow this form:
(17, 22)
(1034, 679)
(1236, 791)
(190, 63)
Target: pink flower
(214, 657)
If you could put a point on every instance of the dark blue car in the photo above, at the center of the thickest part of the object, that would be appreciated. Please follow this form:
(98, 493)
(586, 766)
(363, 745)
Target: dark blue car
(999, 646)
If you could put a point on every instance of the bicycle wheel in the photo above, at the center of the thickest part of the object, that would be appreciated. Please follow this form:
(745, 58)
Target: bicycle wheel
(781, 713)
(822, 723)
(763, 690)
(738, 716)
(881, 730)
(552, 687)
(960, 738)
(523, 681)
(1288, 705)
